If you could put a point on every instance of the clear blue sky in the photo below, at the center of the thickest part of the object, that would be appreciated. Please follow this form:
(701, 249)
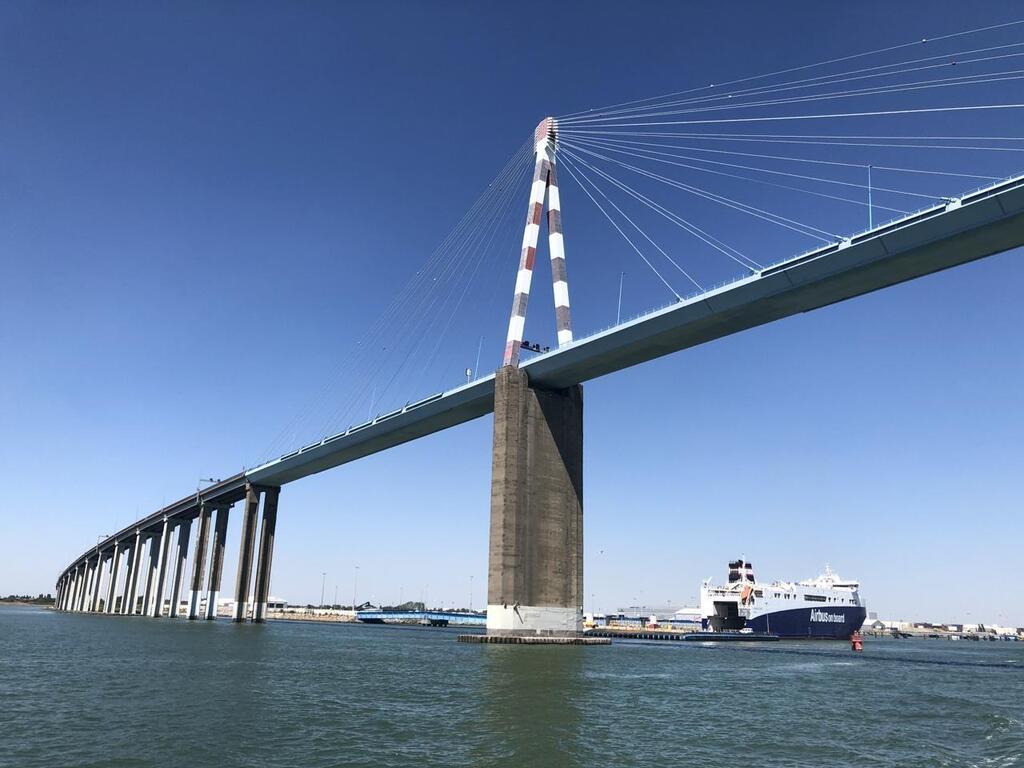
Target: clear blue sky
(202, 205)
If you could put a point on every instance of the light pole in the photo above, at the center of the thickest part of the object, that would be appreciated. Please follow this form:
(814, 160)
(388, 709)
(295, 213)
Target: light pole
(335, 596)
(470, 594)
(323, 584)
(618, 310)
(355, 581)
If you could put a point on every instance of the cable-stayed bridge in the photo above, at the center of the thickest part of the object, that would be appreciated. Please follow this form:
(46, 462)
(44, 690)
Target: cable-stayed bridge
(535, 573)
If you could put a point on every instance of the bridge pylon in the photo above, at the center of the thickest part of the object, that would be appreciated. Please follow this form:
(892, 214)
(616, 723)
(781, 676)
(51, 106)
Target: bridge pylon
(545, 185)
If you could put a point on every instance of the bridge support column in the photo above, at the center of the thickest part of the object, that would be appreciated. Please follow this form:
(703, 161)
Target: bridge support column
(75, 587)
(267, 528)
(83, 574)
(131, 583)
(199, 562)
(72, 590)
(245, 552)
(83, 594)
(84, 589)
(151, 566)
(535, 568)
(181, 550)
(97, 583)
(163, 546)
(217, 562)
(115, 568)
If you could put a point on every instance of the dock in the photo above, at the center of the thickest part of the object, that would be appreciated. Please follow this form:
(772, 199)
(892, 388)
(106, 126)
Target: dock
(690, 637)
(534, 640)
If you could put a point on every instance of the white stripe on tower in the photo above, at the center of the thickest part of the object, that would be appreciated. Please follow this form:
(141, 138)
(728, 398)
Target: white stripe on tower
(559, 277)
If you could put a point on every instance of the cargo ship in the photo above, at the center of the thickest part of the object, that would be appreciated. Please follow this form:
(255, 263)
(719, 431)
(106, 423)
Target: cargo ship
(825, 607)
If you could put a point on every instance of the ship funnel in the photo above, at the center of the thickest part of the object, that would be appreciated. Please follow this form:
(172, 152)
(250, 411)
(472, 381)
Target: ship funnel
(741, 570)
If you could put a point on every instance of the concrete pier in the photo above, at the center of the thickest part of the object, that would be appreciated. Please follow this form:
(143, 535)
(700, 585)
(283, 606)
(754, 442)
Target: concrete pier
(199, 562)
(74, 588)
(535, 568)
(245, 553)
(83, 593)
(266, 553)
(163, 545)
(132, 578)
(217, 562)
(97, 583)
(83, 599)
(80, 587)
(151, 566)
(115, 567)
(180, 552)
(90, 573)
(510, 639)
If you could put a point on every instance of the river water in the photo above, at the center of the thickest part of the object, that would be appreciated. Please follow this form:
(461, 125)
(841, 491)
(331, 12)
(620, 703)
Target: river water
(79, 690)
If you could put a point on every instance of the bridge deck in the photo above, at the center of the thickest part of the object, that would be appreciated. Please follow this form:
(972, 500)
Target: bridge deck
(983, 223)
(980, 224)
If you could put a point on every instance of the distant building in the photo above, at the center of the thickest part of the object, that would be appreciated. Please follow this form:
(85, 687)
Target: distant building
(687, 616)
(664, 613)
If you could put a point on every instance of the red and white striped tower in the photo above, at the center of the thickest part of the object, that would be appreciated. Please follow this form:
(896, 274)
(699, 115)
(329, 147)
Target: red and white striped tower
(545, 183)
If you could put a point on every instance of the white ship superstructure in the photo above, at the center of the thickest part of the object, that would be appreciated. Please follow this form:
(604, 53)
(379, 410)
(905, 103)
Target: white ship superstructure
(824, 607)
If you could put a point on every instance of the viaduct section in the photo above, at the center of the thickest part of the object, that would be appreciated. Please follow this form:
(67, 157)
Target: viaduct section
(140, 571)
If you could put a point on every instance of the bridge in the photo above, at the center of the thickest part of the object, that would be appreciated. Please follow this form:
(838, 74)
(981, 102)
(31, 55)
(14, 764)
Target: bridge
(535, 553)
(434, 618)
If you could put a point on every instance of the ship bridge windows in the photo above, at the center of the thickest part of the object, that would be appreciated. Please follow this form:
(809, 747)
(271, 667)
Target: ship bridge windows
(758, 593)
(814, 598)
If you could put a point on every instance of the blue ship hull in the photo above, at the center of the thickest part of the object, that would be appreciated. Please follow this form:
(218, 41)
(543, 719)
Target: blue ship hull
(832, 622)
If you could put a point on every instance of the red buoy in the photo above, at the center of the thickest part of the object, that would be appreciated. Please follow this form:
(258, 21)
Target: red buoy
(856, 642)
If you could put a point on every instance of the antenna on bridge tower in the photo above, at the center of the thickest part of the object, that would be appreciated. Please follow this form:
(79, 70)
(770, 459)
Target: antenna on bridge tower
(545, 182)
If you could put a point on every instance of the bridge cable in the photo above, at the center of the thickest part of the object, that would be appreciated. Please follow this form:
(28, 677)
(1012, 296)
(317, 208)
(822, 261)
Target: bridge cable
(672, 261)
(401, 302)
(797, 139)
(995, 77)
(727, 250)
(709, 239)
(629, 143)
(572, 173)
(822, 63)
(792, 224)
(874, 113)
(775, 184)
(734, 99)
(422, 313)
